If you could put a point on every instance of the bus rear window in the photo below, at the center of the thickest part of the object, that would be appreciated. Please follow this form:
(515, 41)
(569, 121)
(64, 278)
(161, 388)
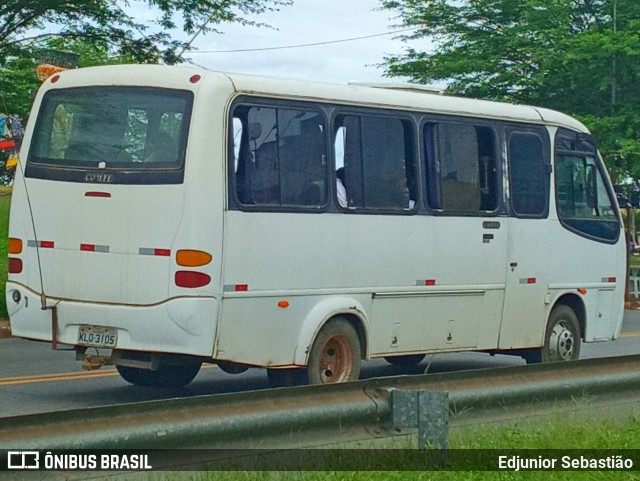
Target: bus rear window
(120, 135)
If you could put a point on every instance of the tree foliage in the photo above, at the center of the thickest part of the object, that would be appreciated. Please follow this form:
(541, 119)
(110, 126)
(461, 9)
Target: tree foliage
(578, 56)
(23, 21)
(101, 32)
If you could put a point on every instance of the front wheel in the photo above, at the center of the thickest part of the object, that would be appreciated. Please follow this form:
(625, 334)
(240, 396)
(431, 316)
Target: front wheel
(562, 339)
(335, 354)
(166, 376)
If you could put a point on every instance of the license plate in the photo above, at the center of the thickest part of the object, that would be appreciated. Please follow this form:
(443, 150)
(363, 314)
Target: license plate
(96, 336)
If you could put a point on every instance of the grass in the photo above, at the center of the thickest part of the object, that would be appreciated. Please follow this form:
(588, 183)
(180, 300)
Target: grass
(5, 201)
(617, 432)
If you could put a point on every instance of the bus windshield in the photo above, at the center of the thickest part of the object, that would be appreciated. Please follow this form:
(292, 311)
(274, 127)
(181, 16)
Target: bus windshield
(123, 130)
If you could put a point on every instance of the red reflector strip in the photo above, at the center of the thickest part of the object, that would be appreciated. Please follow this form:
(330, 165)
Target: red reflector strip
(191, 279)
(41, 244)
(15, 265)
(609, 279)
(7, 144)
(148, 251)
(241, 287)
(93, 248)
(528, 280)
(97, 194)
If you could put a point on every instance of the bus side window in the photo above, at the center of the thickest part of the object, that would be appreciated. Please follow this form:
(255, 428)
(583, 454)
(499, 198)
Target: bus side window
(279, 157)
(461, 167)
(378, 161)
(528, 180)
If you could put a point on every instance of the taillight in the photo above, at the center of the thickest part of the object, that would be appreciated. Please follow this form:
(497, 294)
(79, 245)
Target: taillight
(15, 265)
(191, 279)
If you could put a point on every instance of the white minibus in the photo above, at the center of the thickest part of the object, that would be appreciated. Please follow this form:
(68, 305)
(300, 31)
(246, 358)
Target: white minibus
(165, 217)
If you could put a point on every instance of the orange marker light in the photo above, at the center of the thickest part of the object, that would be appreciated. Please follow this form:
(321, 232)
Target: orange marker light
(15, 246)
(189, 258)
(283, 304)
(582, 291)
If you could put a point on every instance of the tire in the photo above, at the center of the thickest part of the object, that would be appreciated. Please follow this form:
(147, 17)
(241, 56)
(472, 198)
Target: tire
(232, 367)
(562, 338)
(335, 354)
(405, 361)
(166, 376)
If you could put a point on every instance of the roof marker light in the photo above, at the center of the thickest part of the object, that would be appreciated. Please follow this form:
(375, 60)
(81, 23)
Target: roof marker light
(195, 79)
(55, 78)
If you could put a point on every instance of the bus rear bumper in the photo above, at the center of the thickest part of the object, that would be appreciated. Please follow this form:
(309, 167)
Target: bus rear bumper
(184, 325)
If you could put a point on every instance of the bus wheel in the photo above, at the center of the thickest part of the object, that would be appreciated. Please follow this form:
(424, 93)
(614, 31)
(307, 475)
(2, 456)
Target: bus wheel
(405, 361)
(562, 339)
(335, 354)
(167, 375)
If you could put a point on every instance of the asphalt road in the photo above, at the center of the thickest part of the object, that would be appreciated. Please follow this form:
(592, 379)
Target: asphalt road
(35, 379)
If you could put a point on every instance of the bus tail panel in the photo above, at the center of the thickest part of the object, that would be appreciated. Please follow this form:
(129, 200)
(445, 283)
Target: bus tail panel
(173, 326)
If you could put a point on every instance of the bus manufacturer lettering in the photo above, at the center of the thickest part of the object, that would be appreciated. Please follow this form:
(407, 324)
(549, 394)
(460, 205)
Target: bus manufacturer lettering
(99, 178)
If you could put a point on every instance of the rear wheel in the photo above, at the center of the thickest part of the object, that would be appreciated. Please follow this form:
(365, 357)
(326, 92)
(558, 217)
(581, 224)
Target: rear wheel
(335, 354)
(167, 375)
(562, 339)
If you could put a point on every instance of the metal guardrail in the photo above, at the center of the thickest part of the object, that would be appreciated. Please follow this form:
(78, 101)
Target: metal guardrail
(315, 415)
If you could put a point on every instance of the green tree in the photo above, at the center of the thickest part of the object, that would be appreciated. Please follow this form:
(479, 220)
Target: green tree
(22, 22)
(578, 56)
(101, 32)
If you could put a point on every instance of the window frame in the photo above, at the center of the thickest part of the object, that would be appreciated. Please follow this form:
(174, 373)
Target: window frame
(584, 140)
(248, 101)
(125, 175)
(409, 123)
(495, 125)
(543, 134)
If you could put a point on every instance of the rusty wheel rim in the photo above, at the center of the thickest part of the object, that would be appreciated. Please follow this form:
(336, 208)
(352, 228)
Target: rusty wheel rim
(336, 361)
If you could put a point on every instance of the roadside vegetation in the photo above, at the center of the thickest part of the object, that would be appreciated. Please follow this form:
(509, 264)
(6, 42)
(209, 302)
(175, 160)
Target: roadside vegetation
(5, 200)
(562, 432)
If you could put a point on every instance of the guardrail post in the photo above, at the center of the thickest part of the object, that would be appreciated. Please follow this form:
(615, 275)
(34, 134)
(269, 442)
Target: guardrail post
(428, 411)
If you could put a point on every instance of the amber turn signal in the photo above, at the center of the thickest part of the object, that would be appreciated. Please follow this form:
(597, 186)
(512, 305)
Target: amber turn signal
(190, 258)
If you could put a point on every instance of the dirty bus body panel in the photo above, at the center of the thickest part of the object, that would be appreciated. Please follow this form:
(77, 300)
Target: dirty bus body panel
(111, 216)
(178, 216)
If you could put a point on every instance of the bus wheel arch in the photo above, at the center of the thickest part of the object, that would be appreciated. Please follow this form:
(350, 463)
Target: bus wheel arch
(335, 354)
(576, 304)
(564, 330)
(323, 313)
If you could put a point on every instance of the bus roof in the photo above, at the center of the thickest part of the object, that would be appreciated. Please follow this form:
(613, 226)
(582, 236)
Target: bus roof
(392, 96)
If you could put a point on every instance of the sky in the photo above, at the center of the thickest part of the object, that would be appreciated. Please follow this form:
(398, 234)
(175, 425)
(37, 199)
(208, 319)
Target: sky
(308, 21)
